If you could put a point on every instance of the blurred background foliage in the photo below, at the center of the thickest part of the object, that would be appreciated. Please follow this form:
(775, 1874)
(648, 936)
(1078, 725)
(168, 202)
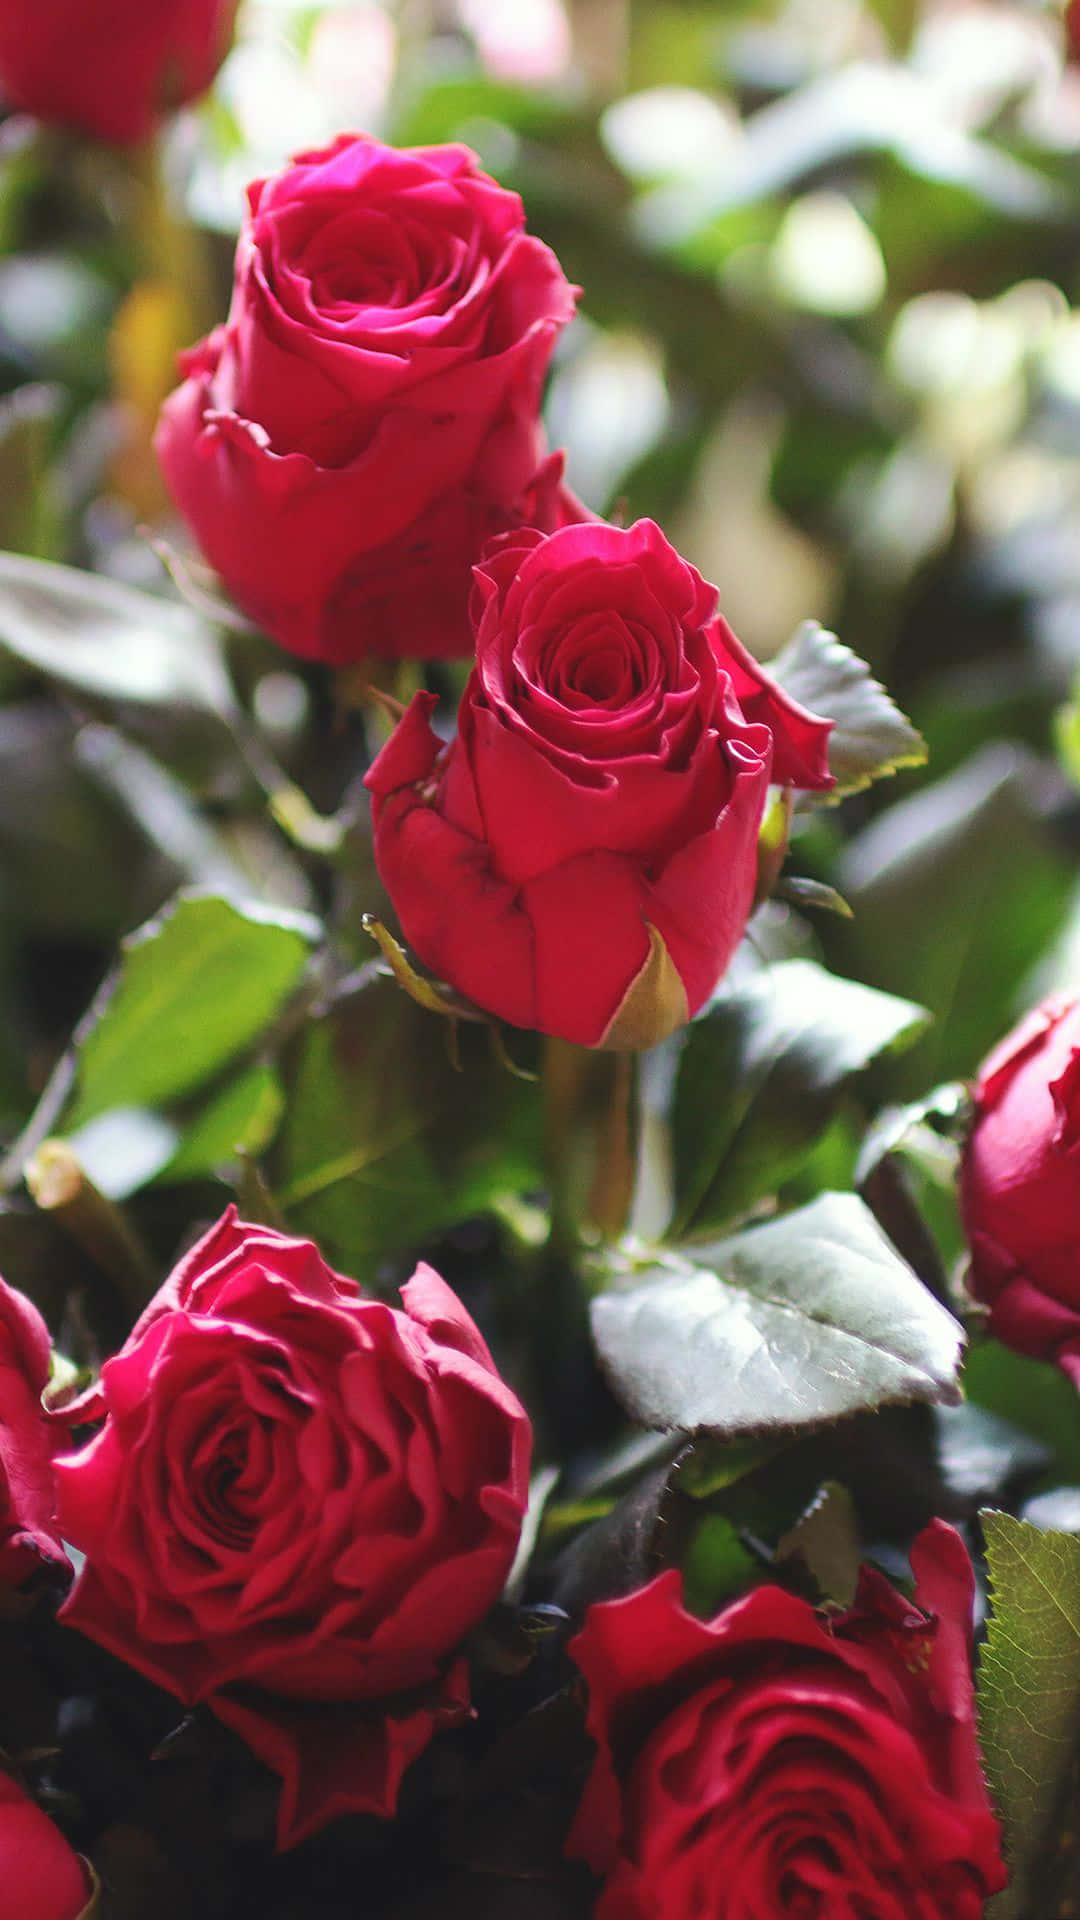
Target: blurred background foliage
(830, 252)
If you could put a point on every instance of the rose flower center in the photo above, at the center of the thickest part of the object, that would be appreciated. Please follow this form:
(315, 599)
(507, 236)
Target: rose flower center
(602, 661)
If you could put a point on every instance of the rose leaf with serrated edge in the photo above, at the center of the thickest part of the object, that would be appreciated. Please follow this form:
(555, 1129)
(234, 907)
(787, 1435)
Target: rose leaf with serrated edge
(1029, 1703)
(871, 736)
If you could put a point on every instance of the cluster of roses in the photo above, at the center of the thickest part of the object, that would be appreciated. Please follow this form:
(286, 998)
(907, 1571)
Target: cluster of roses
(363, 431)
(298, 1502)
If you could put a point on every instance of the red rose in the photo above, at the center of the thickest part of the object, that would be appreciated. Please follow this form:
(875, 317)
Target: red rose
(110, 67)
(28, 1533)
(41, 1878)
(369, 414)
(582, 859)
(1020, 1186)
(785, 1764)
(300, 1502)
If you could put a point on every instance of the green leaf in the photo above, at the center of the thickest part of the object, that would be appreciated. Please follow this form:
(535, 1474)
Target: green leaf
(928, 1129)
(29, 519)
(958, 891)
(871, 736)
(1067, 739)
(790, 1324)
(384, 1142)
(242, 1119)
(760, 1077)
(194, 987)
(1035, 1396)
(110, 640)
(716, 1566)
(1029, 1698)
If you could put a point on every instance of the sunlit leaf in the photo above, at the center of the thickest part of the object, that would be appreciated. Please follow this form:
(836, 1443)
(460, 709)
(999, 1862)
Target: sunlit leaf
(1029, 1700)
(242, 1118)
(193, 989)
(957, 891)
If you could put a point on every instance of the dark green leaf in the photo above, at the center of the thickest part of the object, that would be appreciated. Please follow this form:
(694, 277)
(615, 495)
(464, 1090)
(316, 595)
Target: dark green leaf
(790, 1324)
(646, 1530)
(1033, 1395)
(109, 640)
(760, 1076)
(957, 892)
(1029, 1692)
(383, 1141)
(871, 736)
(194, 988)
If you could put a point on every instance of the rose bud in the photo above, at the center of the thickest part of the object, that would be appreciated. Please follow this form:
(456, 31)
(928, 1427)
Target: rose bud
(298, 1505)
(1020, 1186)
(41, 1877)
(368, 415)
(582, 858)
(802, 1764)
(28, 1532)
(110, 68)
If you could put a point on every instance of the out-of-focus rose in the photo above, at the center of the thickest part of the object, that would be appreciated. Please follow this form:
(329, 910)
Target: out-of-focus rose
(110, 67)
(1020, 1186)
(582, 859)
(368, 416)
(776, 1762)
(41, 1878)
(28, 1531)
(299, 1504)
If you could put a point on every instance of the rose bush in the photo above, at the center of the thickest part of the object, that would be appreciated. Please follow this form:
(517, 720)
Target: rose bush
(28, 1532)
(41, 1877)
(111, 69)
(802, 1765)
(582, 859)
(369, 414)
(299, 1498)
(1020, 1186)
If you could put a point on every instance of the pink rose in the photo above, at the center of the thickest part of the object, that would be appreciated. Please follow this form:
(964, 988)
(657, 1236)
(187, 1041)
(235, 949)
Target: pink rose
(299, 1504)
(788, 1764)
(110, 67)
(1020, 1186)
(582, 858)
(28, 1530)
(369, 414)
